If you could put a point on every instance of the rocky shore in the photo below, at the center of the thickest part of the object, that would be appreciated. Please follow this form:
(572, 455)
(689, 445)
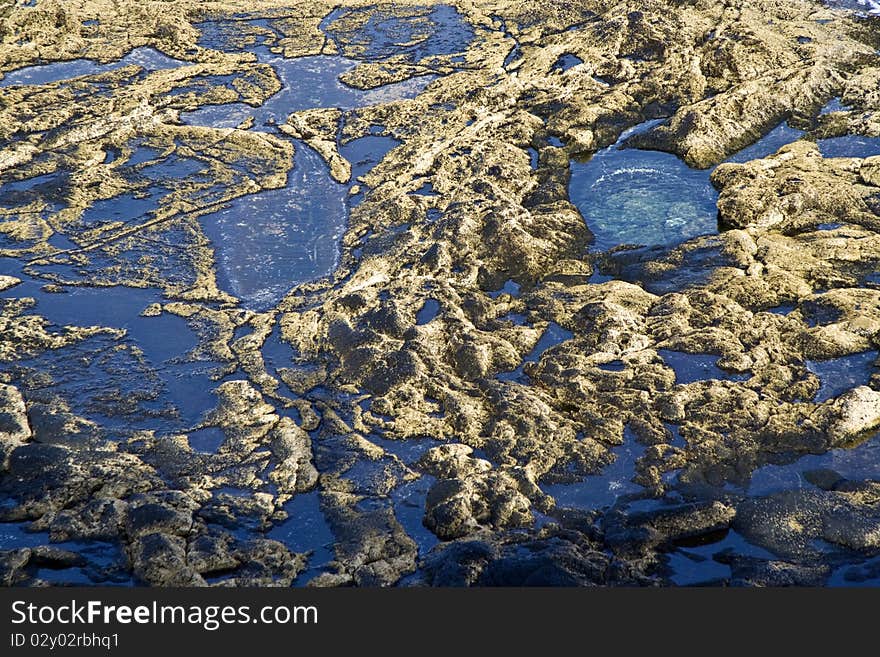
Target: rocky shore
(422, 362)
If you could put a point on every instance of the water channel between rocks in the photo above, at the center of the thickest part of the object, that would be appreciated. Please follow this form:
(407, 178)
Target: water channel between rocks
(267, 242)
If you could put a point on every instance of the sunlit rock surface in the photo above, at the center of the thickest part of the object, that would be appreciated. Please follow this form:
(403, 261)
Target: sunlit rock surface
(489, 293)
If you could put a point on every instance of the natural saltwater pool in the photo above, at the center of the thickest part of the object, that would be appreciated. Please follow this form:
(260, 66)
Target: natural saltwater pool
(156, 231)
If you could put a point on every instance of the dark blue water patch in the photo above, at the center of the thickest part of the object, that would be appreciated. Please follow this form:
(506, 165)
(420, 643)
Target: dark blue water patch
(613, 366)
(428, 311)
(433, 214)
(207, 440)
(533, 157)
(366, 152)
(51, 189)
(124, 207)
(306, 530)
(566, 62)
(164, 339)
(677, 440)
(849, 146)
(61, 242)
(426, 190)
(514, 55)
(861, 7)
(837, 375)
(517, 319)
(15, 535)
(856, 463)
(266, 243)
(834, 105)
(141, 154)
(638, 197)
(277, 353)
(690, 368)
(408, 450)
(409, 501)
(383, 35)
(555, 141)
(603, 489)
(829, 226)
(552, 336)
(510, 287)
(782, 309)
(865, 574)
(767, 145)
(170, 171)
(147, 58)
(705, 564)
(251, 34)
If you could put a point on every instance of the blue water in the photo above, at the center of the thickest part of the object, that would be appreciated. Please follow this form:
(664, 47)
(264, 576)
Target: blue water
(690, 368)
(603, 489)
(566, 62)
(147, 58)
(768, 144)
(648, 198)
(409, 508)
(837, 375)
(232, 35)
(428, 311)
(849, 146)
(639, 197)
(552, 336)
(366, 152)
(383, 35)
(266, 243)
(164, 340)
(307, 83)
(705, 564)
(306, 530)
(207, 440)
(854, 463)
(99, 561)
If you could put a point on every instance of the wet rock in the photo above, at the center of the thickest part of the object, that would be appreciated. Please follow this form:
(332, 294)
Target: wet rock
(7, 282)
(292, 448)
(14, 427)
(859, 413)
(757, 572)
(48, 556)
(372, 548)
(789, 523)
(12, 564)
(211, 553)
(552, 557)
(469, 495)
(148, 514)
(160, 560)
(266, 563)
(454, 211)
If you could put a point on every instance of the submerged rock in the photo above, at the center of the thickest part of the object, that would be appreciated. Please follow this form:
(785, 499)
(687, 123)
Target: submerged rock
(471, 305)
